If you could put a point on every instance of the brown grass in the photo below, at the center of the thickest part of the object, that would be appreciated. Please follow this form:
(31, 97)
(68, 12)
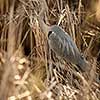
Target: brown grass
(28, 70)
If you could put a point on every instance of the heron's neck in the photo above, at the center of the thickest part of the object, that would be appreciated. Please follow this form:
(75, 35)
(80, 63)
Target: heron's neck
(43, 26)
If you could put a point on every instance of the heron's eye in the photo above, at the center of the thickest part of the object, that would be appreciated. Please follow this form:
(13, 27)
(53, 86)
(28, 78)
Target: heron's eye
(49, 33)
(82, 56)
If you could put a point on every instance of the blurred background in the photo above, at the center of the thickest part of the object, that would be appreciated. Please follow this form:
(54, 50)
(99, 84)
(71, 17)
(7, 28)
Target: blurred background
(28, 70)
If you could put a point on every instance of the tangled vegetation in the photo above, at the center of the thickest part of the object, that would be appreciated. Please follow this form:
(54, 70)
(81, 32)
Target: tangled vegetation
(28, 69)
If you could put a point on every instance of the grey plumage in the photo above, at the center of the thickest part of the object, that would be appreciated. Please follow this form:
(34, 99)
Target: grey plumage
(63, 45)
(60, 42)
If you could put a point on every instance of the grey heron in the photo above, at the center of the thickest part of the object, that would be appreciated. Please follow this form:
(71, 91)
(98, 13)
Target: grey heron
(62, 44)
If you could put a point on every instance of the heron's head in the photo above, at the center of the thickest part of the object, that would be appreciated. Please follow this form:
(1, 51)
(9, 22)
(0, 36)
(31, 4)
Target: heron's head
(51, 34)
(56, 29)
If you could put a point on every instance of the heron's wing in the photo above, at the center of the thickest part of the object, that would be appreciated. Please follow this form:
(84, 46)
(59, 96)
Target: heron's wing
(68, 43)
(71, 51)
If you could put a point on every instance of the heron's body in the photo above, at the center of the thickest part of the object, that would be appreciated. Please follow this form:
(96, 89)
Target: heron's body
(63, 45)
